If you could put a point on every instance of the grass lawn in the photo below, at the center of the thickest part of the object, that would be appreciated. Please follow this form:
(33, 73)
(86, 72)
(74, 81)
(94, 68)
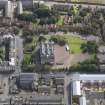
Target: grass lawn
(27, 55)
(60, 21)
(35, 24)
(32, 44)
(74, 43)
(27, 58)
(2, 53)
(93, 56)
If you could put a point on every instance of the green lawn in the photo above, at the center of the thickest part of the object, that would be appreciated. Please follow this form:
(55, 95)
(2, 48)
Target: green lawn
(74, 43)
(93, 56)
(32, 44)
(26, 58)
(2, 53)
(60, 21)
(27, 55)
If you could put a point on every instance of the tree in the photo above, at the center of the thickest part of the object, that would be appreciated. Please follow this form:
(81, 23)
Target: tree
(58, 39)
(84, 67)
(90, 47)
(16, 31)
(78, 19)
(42, 12)
(42, 38)
(28, 68)
(73, 10)
(84, 12)
(1, 54)
(27, 17)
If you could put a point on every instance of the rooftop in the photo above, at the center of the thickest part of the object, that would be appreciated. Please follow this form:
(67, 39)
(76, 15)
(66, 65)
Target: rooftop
(28, 76)
(101, 49)
(90, 77)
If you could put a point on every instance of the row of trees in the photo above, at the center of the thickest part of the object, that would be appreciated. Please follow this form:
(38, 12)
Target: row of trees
(1, 54)
(27, 17)
(93, 20)
(87, 66)
(44, 14)
(58, 39)
(90, 47)
(85, 20)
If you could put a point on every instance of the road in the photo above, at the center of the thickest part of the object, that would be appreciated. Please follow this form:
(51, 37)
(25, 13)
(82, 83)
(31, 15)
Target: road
(19, 47)
(4, 79)
(51, 3)
(67, 91)
(19, 53)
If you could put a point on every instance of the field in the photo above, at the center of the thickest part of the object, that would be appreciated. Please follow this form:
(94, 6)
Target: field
(74, 43)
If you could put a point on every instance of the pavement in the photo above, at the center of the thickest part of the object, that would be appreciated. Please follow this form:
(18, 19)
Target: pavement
(19, 48)
(5, 87)
(51, 3)
(66, 90)
(19, 53)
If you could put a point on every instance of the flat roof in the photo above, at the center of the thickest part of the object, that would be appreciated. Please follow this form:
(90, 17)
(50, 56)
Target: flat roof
(76, 88)
(87, 77)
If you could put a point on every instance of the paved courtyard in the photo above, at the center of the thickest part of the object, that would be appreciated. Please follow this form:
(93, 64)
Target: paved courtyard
(65, 59)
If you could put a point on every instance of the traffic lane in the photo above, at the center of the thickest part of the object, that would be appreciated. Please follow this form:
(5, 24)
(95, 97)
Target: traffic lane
(19, 49)
(51, 3)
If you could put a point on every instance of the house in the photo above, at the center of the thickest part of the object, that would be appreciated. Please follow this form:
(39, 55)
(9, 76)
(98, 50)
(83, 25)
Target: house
(61, 7)
(47, 53)
(38, 100)
(59, 78)
(82, 100)
(10, 46)
(102, 67)
(27, 80)
(46, 100)
(12, 53)
(101, 49)
(101, 58)
(60, 89)
(76, 88)
(7, 69)
(1, 85)
(44, 89)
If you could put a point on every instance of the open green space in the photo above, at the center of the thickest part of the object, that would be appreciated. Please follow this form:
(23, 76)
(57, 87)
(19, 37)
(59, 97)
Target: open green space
(29, 49)
(74, 43)
(2, 53)
(26, 59)
(60, 21)
(32, 44)
(93, 57)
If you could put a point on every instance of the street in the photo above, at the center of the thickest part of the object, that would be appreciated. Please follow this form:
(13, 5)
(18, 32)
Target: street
(19, 54)
(51, 3)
